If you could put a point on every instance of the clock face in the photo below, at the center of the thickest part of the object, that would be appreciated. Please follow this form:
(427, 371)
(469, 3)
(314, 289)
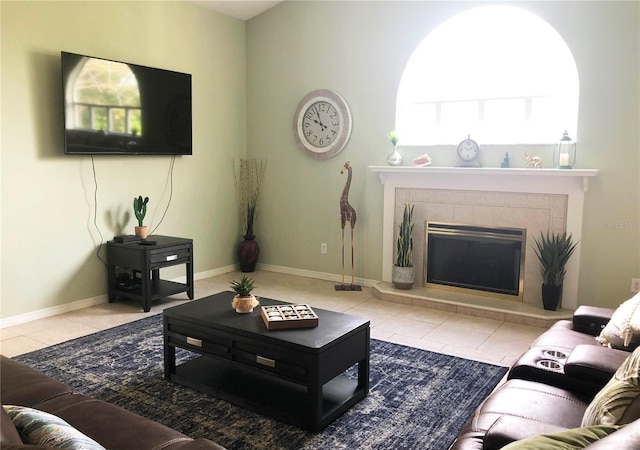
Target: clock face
(322, 124)
(468, 150)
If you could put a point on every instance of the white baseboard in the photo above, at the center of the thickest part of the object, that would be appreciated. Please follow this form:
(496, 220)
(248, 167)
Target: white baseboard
(85, 303)
(317, 275)
(52, 311)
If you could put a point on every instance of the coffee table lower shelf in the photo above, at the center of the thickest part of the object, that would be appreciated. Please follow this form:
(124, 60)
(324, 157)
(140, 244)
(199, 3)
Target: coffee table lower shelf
(262, 392)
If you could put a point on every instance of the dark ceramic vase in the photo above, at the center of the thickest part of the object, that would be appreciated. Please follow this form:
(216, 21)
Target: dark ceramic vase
(248, 252)
(551, 296)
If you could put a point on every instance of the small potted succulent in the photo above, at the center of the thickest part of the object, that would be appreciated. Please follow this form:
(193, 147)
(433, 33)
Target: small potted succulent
(140, 210)
(394, 158)
(553, 251)
(404, 273)
(244, 301)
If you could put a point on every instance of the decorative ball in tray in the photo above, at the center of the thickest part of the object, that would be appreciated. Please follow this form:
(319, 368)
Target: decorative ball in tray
(281, 317)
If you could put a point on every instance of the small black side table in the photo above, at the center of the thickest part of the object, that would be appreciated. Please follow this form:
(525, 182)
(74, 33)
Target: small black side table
(148, 260)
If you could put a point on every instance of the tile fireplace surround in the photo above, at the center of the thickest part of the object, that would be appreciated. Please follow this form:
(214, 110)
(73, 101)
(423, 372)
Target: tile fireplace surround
(534, 199)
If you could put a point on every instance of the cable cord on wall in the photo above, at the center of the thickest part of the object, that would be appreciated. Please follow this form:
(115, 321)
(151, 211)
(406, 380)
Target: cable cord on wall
(170, 182)
(95, 203)
(95, 210)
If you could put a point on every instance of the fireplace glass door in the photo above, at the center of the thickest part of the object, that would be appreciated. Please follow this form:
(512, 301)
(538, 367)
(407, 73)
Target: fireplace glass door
(487, 260)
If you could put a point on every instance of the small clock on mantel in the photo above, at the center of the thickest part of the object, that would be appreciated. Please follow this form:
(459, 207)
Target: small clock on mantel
(468, 153)
(322, 123)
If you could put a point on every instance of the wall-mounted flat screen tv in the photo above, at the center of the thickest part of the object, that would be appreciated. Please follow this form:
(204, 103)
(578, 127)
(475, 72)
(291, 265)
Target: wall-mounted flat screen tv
(118, 108)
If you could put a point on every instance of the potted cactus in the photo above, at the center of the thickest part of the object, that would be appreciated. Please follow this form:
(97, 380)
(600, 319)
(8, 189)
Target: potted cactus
(404, 273)
(244, 301)
(140, 210)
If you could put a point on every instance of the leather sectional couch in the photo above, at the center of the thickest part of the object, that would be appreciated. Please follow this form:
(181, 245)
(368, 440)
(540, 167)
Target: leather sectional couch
(549, 389)
(109, 425)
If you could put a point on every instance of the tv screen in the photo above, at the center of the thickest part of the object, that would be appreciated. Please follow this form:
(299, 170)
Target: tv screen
(118, 108)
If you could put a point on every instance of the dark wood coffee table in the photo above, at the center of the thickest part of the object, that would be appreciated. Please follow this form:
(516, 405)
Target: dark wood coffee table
(297, 376)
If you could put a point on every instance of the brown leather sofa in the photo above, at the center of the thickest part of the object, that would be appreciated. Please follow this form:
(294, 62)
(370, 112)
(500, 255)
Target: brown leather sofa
(549, 388)
(109, 425)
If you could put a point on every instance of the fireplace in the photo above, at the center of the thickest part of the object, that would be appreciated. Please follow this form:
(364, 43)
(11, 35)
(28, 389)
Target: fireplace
(481, 259)
(535, 199)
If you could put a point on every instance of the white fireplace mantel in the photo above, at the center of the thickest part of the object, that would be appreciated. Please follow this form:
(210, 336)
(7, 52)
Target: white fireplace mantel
(570, 182)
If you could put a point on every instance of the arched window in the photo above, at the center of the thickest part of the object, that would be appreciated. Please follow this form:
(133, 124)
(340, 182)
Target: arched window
(497, 73)
(106, 97)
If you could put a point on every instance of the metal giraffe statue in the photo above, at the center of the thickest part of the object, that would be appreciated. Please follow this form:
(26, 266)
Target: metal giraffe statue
(347, 214)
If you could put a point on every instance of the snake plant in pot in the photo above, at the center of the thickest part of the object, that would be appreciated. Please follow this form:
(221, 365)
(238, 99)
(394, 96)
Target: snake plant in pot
(553, 251)
(404, 274)
(140, 210)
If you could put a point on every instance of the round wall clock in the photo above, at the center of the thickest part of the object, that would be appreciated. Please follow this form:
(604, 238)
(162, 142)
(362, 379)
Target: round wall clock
(468, 153)
(322, 123)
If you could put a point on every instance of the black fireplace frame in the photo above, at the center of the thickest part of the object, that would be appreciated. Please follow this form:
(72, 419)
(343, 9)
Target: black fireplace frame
(514, 237)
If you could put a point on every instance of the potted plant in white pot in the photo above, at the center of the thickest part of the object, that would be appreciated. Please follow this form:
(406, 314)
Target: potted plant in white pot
(394, 158)
(553, 251)
(244, 301)
(140, 210)
(248, 182)
(404, 274)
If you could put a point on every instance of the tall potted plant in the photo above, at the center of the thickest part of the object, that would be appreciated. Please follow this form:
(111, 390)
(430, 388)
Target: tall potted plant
(553, 251)
(248, 183)
(403, 275)
(140, 210)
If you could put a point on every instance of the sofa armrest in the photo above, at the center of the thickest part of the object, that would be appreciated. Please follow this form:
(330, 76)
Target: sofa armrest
(594, 363)
(509, 428)
(591, 319)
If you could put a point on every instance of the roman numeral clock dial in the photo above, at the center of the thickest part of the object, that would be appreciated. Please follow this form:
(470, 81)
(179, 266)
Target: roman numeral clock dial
(322, 124)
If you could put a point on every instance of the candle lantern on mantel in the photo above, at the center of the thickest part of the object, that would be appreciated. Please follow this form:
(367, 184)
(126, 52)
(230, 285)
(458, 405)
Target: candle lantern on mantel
(564, 152)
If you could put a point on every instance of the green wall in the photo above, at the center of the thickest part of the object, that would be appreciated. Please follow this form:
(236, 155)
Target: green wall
(247, 80)
(48, 236)
(359, 49)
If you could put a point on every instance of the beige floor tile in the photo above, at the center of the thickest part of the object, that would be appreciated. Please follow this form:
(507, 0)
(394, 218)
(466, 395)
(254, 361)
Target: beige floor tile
(72, 330)
(38, 325)
(425, 314)
(407, 327)
(417, 343)
(469, 353)
(473, 323)
(380, 334)
(452, 335)
(7, 334)
(20, 345)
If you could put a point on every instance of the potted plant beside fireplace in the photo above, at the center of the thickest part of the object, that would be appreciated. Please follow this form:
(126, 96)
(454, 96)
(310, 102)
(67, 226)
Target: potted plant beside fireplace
(404, 273)
(553, 251)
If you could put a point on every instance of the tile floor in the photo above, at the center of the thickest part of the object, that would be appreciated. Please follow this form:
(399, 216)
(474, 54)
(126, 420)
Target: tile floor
(470, 337)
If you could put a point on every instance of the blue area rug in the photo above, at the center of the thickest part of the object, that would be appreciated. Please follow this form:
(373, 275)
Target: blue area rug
(418, 399)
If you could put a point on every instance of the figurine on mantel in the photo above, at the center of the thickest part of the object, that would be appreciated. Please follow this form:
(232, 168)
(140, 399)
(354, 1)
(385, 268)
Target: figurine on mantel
(505, 161)
(422, 161)
(533, 161)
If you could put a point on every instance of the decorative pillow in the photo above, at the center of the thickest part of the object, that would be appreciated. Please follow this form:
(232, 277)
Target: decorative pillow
(619, 395)
(574, 439)
(41, 428)
(623, 330)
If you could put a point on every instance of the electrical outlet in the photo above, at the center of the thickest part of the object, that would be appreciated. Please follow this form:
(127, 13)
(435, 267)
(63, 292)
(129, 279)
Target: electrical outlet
(323, 248)
(635, 285)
